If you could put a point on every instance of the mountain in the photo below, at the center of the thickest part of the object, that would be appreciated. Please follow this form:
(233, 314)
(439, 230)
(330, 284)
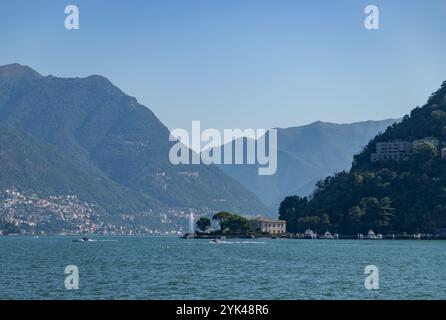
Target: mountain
(33, 165)
(307, 154)
(16, 71)
(404, 192)
(108, 135)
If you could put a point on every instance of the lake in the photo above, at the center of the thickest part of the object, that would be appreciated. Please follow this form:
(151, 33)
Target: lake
(155, 267)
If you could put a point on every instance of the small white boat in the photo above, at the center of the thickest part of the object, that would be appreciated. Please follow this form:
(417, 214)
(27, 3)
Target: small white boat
(372, 236)
(328, 235)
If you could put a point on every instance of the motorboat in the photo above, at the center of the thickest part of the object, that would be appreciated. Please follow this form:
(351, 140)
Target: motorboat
(372, 236)
(328, 235)
(84, 239)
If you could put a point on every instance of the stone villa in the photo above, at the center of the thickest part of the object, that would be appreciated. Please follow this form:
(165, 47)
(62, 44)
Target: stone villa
(268, 225)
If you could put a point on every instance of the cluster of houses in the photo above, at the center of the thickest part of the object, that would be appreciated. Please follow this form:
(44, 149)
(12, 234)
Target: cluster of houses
(33, 215)
(396, 150)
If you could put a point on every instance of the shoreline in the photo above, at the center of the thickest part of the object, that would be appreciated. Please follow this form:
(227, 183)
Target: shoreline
(231, 237)
(341, 237)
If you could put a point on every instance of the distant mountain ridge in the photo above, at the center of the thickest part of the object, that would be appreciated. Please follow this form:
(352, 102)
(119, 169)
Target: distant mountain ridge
(307, 154)
(17, 71)
(112, 137)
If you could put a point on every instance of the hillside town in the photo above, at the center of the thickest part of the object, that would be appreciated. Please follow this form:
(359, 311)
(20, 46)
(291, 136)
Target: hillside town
(32, 214)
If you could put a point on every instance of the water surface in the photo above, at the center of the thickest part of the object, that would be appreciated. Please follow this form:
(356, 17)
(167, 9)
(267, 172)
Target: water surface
(172, 268)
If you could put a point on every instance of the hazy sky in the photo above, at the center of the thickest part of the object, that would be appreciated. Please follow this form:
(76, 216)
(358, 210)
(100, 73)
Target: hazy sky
(240, 63)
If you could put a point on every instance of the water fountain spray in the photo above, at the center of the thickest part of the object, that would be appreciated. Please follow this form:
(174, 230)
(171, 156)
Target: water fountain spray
(191, 222)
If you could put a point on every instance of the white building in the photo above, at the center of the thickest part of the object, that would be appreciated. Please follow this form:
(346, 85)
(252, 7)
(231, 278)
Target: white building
(268, 225)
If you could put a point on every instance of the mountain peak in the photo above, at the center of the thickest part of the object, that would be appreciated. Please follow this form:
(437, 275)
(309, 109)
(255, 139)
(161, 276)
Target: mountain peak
(15, 70)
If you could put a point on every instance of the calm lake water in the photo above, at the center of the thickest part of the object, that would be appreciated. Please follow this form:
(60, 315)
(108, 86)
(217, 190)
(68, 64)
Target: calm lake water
(172, 268)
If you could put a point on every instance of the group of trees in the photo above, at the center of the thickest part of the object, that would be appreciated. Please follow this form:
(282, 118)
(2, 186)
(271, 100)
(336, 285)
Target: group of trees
(388, 197)
(228, 222)
(387, 200)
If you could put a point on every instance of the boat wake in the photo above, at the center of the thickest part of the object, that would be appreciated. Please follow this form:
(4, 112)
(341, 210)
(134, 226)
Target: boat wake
(238, 242)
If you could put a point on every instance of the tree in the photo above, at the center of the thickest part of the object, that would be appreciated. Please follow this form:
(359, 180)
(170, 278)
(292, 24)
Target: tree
(352, 220)
(222, 218)
(325, 220)
(203, 223)
(378, 213)
(385, 214)
(238, 224)
(291, 209)
(231, 222)
(438, 114)
(425, 151)
(311, 222)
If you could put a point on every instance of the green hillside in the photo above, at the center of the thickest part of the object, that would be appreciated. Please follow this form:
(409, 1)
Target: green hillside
(388, 196)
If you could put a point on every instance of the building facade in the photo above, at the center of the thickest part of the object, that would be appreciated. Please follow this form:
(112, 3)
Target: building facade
(397, 150)
(268, 225)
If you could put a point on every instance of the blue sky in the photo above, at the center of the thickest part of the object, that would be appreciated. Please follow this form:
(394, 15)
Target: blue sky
(240, 63)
